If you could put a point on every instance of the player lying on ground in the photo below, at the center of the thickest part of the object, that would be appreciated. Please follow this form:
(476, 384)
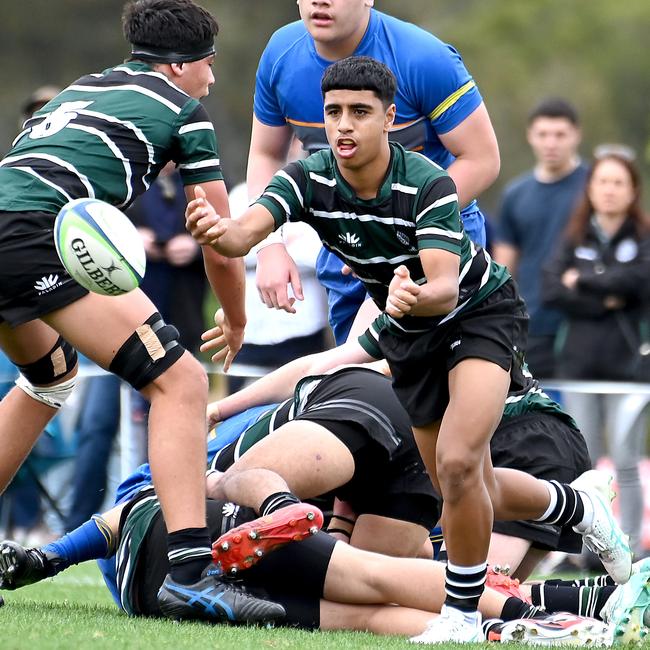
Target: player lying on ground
(534, 435)
(344, 434)
(321, 582)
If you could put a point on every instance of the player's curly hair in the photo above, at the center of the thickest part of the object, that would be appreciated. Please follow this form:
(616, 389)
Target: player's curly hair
(172, 24)
(361, 73)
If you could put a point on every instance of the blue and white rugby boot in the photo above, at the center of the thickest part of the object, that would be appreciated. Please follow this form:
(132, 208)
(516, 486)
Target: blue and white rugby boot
(214, 598)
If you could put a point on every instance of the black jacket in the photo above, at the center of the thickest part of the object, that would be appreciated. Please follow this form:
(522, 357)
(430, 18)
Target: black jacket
(597, 342)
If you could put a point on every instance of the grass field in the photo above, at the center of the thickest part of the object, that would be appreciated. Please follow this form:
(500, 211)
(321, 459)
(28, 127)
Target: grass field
(75, 611)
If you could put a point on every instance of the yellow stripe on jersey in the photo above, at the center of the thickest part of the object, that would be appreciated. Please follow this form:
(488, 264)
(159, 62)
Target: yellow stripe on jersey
(320, 125)
(451, 100)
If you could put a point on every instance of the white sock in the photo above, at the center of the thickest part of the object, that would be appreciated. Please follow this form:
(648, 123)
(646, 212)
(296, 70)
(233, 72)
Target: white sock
(588, 517)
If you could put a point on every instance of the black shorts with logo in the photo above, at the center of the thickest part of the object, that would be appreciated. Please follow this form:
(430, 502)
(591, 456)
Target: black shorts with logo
(546, 447)
(495, 330)
(360, 408)
(293, 575)
(33, 282)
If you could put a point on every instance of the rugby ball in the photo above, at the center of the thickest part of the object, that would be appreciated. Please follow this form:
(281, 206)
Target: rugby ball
(99, 247)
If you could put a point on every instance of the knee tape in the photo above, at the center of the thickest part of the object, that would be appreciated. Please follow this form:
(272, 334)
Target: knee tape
(59, 361)
(147, 353)
(54, 396)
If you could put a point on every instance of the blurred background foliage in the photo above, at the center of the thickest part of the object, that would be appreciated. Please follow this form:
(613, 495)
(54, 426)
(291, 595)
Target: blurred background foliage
(591, 51)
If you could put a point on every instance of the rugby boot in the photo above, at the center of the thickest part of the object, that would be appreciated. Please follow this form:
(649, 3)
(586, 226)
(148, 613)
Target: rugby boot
(452, 626)
(604, 536)
(216, 599)
(243, 546)
(21, 566)
(554, 630)
(627, 610)
(497, 578)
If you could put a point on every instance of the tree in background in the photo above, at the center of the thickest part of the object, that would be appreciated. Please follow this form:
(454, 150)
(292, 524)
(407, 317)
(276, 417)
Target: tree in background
(588, 50)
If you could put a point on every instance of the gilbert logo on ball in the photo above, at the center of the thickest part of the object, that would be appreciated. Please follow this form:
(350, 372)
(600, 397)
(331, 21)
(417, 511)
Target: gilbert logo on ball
(99, 247)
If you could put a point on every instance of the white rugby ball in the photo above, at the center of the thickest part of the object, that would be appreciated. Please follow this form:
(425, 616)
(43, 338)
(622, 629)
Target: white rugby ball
(99, 247)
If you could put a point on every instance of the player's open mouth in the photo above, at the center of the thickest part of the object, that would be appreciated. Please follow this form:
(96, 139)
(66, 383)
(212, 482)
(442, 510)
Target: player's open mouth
(321, 19)
(345, 147)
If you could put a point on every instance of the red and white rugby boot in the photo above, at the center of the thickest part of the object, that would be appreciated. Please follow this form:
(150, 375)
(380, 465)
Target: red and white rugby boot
(243, 546)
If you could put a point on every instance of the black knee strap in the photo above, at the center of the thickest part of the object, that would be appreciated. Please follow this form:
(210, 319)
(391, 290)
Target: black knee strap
(59, 361)
(148, 352)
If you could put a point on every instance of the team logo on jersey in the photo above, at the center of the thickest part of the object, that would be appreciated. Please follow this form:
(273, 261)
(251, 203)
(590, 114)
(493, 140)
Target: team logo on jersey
(403, 238)
(454, 345)
(47, 283)
(351, 239)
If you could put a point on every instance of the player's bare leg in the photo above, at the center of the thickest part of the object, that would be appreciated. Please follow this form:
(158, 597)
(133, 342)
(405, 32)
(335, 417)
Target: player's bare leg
(23, 418)
(308, 458)
(356, 576)
(136, 340)
(389, 536)
(177, 429)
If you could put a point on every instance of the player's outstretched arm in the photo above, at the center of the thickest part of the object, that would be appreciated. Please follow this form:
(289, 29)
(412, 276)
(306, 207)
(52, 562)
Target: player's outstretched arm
(232, 238)
(279, 385)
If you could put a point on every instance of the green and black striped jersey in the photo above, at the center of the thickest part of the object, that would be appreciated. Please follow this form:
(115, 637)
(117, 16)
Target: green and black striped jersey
(532, 399)
(107, 136)
(416, 208)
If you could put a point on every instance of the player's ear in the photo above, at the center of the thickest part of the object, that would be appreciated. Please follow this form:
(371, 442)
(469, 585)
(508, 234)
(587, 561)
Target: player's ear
(370, 3)
(389, 117)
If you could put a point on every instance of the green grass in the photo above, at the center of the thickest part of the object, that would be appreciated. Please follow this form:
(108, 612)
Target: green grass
(75, 610)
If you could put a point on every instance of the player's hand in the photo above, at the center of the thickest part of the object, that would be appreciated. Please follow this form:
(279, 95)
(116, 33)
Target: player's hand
(275, 271)
(570, 278)
(212, 415)
(224, 338)
(201, 220)
(151, 248)
(402, 293)
(347, 270)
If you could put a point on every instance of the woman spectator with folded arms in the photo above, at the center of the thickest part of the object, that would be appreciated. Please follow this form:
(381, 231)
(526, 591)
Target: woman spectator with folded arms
(600, 280)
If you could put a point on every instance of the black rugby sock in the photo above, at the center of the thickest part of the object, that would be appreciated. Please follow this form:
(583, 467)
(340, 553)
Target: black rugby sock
(276, 501)
(583, 601)
(189, 551)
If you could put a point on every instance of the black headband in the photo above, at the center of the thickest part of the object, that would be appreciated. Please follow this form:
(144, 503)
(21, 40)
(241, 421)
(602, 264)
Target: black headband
(165, 55)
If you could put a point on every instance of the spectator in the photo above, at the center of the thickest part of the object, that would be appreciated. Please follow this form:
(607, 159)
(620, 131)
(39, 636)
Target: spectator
(534, 211)
(272, 338)
(37, 100)
(599, 280)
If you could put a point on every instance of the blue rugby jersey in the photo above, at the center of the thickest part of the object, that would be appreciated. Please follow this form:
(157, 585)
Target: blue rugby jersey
(435, 92)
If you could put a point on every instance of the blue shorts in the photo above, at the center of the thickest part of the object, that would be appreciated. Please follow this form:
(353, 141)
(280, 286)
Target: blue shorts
(346, 294)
